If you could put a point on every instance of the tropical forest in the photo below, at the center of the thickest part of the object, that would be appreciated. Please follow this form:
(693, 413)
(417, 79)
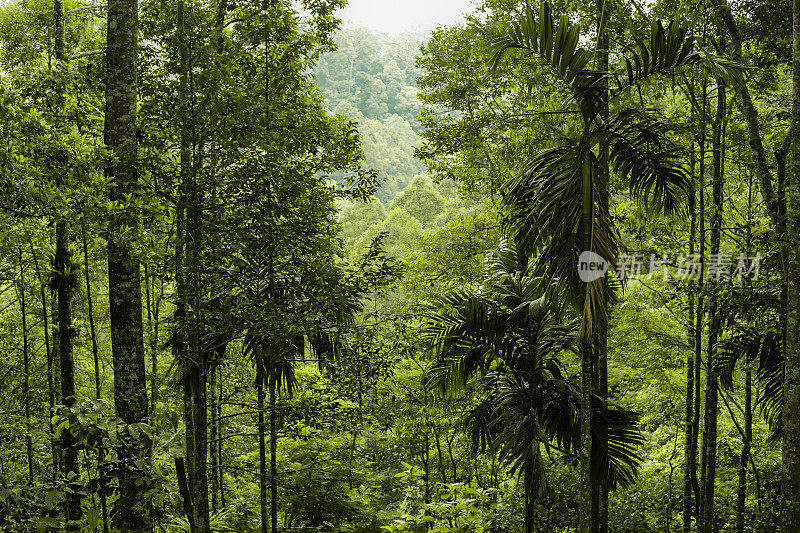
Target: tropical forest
(534, 271)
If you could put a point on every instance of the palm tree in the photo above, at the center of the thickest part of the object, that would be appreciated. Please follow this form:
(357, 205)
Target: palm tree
(510, 336)
(274, 358)
(558, 205)
(276, 313)
(753, 315)
(791, 417)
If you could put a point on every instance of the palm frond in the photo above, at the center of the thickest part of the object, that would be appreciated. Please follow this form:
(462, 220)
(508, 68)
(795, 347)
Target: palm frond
(640, 152)
(770, 375)
(757, 303)
(511, 335)
(274, 360)
(467, 332)
(557, 45)
(620, 460)
(282, 373)
(481, 424)
(729, 352)
(722, 68)
(559, 415)
(664, 49)
(325, 348)
(545, 204)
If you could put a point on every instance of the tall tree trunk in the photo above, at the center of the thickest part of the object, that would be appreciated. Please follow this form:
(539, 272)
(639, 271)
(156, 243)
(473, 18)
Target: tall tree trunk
(152, 342)
(196, 354)
(215, 381)
(587, 354)
(741, 490)
(273, 453)
(90, 308)
(700, 312)
(201, 507)
(220, 427)
(530, 497)
(747, 434)
(262, 447)
(690, 446)
(65, 282)
(273, 441)
(791, 391)
(124, 288)
(179, 330)
(96, 357)
(49, 352)
(600, 521)
(56, 377)
(212, 387)
(188, 417)
(26, 387)
(711, 407)
(723, 12)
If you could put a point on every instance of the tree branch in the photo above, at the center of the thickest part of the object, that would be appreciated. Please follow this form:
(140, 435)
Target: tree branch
(87, 54)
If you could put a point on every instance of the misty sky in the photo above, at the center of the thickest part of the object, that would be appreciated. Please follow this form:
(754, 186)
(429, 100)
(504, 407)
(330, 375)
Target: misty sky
(396, 16)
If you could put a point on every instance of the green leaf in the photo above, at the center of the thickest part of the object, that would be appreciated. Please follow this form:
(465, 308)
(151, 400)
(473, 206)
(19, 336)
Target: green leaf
(52, 498)
(92, 517)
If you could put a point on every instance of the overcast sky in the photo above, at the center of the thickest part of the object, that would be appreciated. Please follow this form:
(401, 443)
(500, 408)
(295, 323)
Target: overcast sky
(397, 16)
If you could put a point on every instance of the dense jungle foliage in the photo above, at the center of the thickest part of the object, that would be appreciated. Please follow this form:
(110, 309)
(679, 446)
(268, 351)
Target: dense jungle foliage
(538, 271)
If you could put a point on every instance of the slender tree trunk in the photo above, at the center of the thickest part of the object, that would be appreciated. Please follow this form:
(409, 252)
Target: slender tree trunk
(56, 381)
(152, 342)
(217, 496)
(212, 387)
(530, 497)
(188, 417)
(587, 354)
(180, 355)
(600, 522)
(201, 507)
(26, 387)
(90, 307)
(273, 452)
(220, 432)
(262, 447)
(690, 447)
(273, 444)
(65, 282)
(124, 289)
(101, 453)
(193, 286)
(179, 338)
(741, 492)
(791, 391)
(700, 315)
(49, 352)
(723, 12)
(710, 428)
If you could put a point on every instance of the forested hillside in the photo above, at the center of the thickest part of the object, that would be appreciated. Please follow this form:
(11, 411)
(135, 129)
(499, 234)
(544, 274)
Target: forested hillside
(371, 79)
(535, 272)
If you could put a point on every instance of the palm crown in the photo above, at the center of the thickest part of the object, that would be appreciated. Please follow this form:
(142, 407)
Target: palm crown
(559, 202)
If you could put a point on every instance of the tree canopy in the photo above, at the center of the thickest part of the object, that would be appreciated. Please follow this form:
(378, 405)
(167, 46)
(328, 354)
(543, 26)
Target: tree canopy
(534, 271)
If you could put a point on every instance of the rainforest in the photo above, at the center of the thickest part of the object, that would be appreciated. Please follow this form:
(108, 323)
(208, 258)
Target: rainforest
(535, 271)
